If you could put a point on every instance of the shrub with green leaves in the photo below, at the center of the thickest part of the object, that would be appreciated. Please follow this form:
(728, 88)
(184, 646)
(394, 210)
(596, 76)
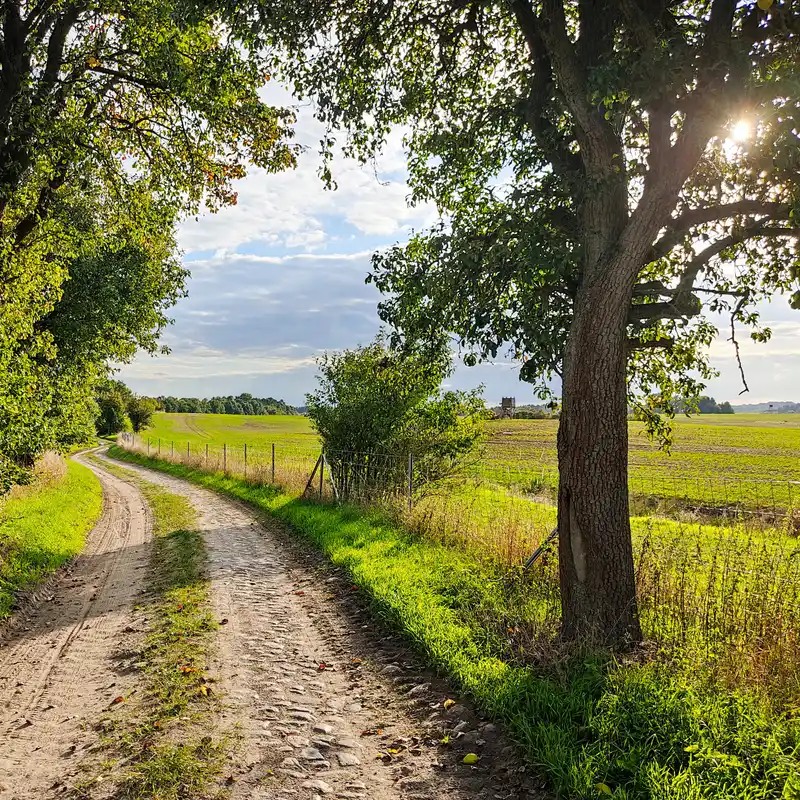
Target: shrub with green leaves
(376, 406)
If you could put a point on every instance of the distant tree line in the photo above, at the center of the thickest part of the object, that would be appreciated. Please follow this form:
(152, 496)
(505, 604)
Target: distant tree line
(241, 404)
(775, 407)
(705, 405)
(545, 411)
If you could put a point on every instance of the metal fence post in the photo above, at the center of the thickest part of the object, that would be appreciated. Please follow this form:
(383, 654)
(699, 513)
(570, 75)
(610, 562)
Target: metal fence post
(225, 458)
(245, 459)
(410, 481)
(273, 462)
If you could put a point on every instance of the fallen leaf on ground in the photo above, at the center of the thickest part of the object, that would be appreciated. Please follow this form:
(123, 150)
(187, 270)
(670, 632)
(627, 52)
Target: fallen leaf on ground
(223, 621)
(471, 758)
(449, 703)
(117, 700)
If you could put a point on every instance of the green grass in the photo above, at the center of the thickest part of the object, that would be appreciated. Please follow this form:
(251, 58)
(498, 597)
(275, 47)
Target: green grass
(657, 730)
(747, 460)
(163, 741)
(43, 526)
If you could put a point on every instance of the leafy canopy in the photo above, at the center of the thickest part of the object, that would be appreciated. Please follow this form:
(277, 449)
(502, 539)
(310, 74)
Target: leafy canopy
(542, 130)
(116, 119)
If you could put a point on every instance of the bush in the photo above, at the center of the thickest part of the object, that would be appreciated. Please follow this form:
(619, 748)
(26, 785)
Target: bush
(140, 411)
(376, 406)
(112, 402)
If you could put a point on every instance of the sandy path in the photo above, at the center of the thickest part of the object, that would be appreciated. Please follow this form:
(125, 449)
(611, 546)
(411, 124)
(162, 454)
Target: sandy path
(310, 731)
(61, 661)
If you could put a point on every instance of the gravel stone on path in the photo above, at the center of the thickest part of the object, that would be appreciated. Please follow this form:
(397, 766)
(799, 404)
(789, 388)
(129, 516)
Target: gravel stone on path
(285, 636)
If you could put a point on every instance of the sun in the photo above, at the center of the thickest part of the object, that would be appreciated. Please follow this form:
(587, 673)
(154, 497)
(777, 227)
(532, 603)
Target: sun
(741, 130)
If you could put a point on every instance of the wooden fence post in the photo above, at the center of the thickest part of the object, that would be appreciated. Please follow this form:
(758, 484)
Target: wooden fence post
(224, 458)
(273, 462)
(245, 459)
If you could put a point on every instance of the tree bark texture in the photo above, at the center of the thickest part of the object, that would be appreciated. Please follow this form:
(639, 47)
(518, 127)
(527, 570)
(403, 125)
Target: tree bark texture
(598, 587)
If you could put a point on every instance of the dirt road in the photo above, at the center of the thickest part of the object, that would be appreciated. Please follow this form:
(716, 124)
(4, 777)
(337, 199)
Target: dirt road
(326, 704)
(61, 664)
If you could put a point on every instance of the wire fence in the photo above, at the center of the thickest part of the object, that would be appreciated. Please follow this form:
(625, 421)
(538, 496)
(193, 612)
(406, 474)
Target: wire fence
(717, 560)
(489, 484)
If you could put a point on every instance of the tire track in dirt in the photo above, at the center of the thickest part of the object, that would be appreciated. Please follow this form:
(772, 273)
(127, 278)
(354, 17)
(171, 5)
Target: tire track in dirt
(61, 659)
(304, 688)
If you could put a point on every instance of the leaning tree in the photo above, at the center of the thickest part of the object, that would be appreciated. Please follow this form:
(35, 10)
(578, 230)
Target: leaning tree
(607, 173)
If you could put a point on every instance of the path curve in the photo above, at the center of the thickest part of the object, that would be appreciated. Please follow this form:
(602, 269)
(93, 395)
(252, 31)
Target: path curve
(61, 661)
(303, 690)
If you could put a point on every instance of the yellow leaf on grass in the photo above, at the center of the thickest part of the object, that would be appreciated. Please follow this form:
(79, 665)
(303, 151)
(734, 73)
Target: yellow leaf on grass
(603, 788)
(449, 703)
(471, 758)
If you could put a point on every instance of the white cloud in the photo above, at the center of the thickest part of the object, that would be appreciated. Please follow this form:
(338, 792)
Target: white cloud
(292, 209)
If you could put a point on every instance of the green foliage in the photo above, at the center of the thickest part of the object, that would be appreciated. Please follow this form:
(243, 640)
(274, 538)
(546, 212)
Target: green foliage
(647, 731)
(377, 401)
(244, 403)
(43, 525)
(140, 412)
(555, 138)
(112, 401)
(115, 121)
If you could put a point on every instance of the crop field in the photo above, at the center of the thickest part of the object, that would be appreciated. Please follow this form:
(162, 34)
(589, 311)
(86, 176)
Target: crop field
(740, 461)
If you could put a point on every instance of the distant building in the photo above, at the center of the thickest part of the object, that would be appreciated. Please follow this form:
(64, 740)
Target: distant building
(508, 406)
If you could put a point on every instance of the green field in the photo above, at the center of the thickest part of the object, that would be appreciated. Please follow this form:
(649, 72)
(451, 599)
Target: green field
(740, 461)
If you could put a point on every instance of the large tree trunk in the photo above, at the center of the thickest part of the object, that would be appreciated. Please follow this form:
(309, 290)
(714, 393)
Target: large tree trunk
(598, 589)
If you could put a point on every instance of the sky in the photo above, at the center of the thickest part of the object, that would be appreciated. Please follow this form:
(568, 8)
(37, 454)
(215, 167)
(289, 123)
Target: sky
(279, 278)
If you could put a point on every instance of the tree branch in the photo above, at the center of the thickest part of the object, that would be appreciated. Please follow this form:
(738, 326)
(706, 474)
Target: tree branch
(736, 343)
(549, 138)
(693, 268)
(662, 342)
(680, 226)
(46, 194)
(124, 76)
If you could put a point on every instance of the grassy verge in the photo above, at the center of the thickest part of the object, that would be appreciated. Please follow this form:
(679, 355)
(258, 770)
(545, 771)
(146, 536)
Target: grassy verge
(44, 525)
(162, 742)
(594, 726)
